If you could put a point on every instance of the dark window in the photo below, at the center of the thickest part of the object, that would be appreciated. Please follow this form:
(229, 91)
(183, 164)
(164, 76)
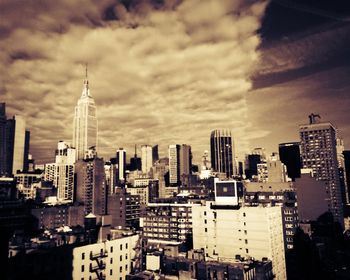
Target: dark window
(82, 268)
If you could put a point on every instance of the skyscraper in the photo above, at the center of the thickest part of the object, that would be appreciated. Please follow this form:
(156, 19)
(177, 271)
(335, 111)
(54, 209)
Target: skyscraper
(135, 162)
(85, 122)
(290, 156)
(318, 152)
(121, 165)
(19, 144)
(155, 154)
(221, 147)
(185, 160)
(174, 165)
(14, 143)
(146, 158)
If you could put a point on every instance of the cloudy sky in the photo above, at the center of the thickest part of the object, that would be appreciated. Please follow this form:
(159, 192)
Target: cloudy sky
(164, 72)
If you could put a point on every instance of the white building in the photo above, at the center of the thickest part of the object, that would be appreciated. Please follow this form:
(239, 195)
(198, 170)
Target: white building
(111, 259)
(224, 230)
(121, 165)
(146, 158)
(19, 143)
(85, 123)
(61, 173)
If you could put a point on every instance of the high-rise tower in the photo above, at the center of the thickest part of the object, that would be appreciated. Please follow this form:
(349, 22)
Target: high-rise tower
(85, 122)
(221, 148)
(319, 152)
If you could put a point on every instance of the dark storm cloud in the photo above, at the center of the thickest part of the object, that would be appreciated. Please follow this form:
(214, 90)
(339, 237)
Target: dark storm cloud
(303, 54)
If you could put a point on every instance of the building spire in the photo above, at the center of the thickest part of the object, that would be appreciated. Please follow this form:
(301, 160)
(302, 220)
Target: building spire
(86, 91)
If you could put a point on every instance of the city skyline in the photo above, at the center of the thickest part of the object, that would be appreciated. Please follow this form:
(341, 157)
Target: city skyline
(212, 80)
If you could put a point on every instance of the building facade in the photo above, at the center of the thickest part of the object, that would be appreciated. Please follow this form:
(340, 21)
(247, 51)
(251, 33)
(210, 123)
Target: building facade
(247, 231)
(174, 165)
(91, 185)
(221, 148)
(146, 158)
(167, 222)
(319, 152)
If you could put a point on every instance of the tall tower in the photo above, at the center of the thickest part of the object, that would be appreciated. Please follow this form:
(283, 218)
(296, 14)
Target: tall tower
(121, 162)
(146, 158)
(85, 122)
(319, 152)
(221, 148)
(174, 165)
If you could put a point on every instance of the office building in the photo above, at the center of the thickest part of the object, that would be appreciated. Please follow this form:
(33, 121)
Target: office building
(121, 166)
(91, 187)
(290, 156)
(155, 154)
(14, 143)
(135, 162)
(185, 161)
(146, 158)
(174, 165)
(222, 152)
(252, 162)
(85, 122)
(319, 152)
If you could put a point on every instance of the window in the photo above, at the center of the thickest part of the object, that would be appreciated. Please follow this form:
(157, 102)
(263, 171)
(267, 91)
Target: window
(205, 230)
(82, 268)
(111, 261)
(246, 241)
(126, 245)
(126, 267)
(243, 214)
(111, 249)
(205, 221)
(121, 269)
(126, 256)
(247, 251)
(83, 256)
(120, 258)
(245, 232)
(110, 272)
(121, 246)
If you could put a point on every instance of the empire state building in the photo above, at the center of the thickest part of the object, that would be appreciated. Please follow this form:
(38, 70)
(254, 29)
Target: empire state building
(85, 122)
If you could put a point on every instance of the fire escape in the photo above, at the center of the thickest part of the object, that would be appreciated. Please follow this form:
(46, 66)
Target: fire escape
(99, 265)
(137, 259)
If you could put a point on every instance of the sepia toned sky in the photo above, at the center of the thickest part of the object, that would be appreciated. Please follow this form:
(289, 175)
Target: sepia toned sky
(165, 72)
